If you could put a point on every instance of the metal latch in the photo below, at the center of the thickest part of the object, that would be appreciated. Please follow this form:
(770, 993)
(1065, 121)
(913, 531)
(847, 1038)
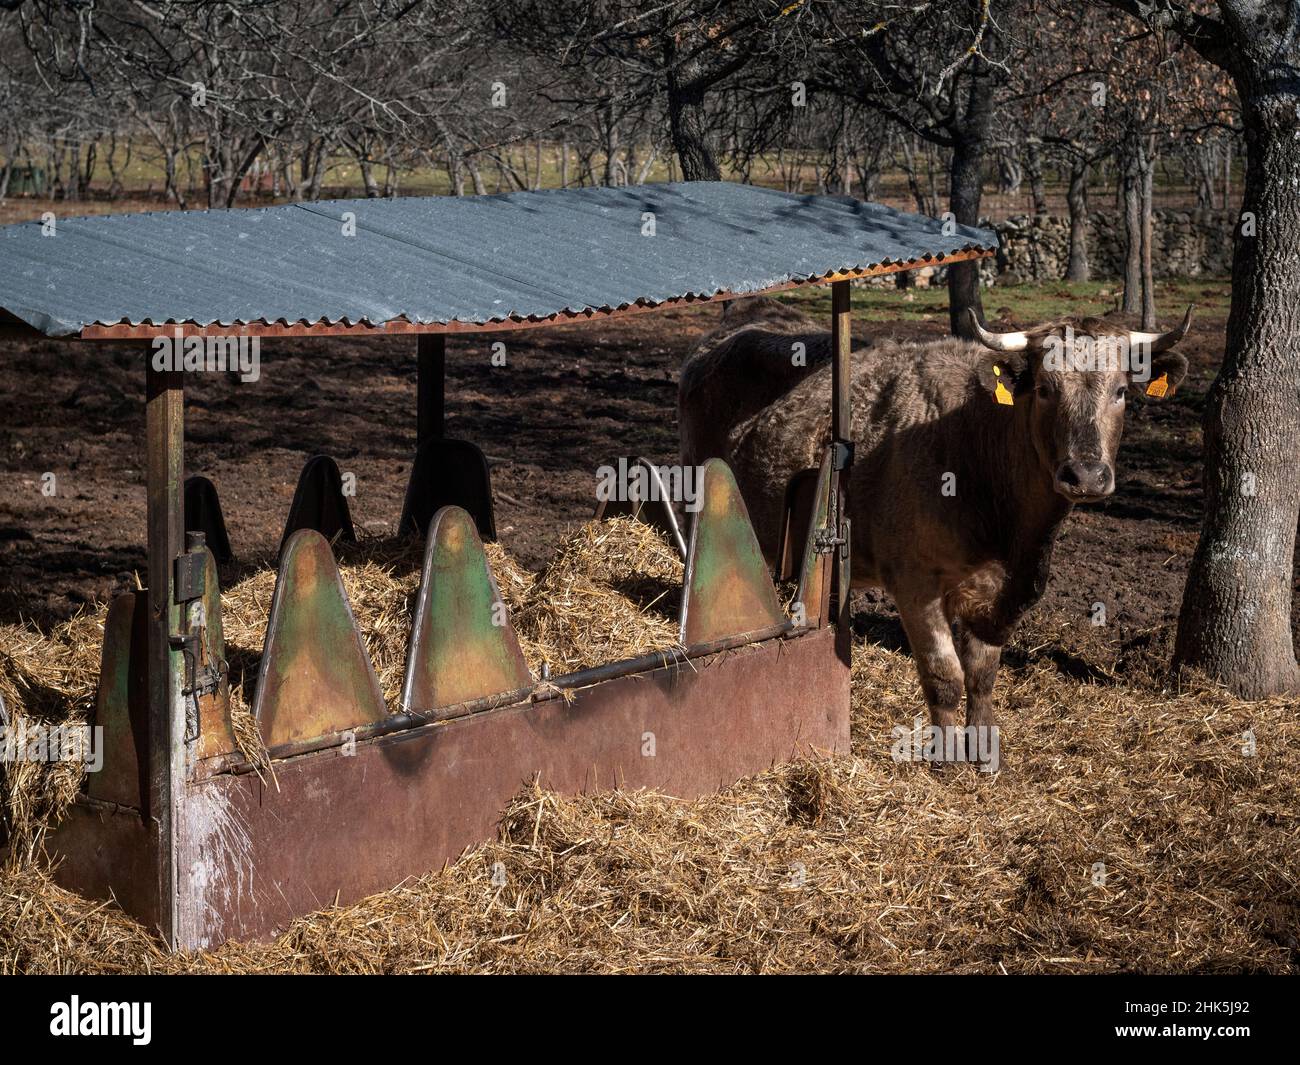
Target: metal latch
(189, 571)
(200, 678)
(826, 540)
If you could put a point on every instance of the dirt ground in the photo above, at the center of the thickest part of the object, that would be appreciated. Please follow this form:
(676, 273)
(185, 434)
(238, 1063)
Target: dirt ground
(567, 400)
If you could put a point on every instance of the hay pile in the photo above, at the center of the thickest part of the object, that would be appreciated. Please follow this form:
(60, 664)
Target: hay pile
(1127, 830)
(45, 679)
(610, 593)
(856, 864)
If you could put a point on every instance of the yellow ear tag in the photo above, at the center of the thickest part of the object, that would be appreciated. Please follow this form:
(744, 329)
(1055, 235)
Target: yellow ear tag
(1159, 386)
(1003, 396)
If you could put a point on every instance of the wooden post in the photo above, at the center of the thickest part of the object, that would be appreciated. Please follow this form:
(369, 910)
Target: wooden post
(841, 366)
(164, 466)
(431, 398)
(842, 442)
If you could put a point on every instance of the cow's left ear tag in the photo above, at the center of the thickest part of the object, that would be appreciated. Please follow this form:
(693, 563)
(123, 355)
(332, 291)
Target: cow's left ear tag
(1001, 392)
(1159, 386)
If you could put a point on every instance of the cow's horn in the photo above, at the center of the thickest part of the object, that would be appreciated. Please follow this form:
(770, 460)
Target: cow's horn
(1163, 341)
(997, 341)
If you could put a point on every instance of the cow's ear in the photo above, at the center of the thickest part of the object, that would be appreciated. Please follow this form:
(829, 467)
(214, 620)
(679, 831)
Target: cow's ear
(1005, 374)
(1167, 372)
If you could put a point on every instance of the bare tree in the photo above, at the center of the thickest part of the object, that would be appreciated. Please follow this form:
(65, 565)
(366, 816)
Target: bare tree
(1236, 616)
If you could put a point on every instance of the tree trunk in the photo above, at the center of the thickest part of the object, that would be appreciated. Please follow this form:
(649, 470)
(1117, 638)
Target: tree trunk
(1146, 167)
(1132, 201)
(1034, 169)
(1236, 615)
(965, 189)
(688, 128)
(1077, 199)
(367, 168)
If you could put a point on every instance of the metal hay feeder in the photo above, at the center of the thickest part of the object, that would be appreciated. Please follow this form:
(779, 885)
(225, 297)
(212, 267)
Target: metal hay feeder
(177, 827)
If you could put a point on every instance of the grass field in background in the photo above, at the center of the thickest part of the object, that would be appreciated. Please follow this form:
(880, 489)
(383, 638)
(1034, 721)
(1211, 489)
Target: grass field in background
(1034, 302)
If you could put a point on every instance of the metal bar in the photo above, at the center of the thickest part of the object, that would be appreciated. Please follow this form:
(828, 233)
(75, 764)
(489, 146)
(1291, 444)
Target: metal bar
(408, 720)
(431, 399)
(164, 465)
(402, 326)
(841, 366)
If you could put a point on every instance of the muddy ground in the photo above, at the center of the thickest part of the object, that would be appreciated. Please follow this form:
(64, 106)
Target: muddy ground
(568, 400)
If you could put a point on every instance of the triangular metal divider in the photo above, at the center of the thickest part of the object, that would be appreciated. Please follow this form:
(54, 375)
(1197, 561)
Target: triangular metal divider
(319, 503)
(216, 731)
(122, 705)
(656, 511)
(315, 677)
(728, 591)
(448, 473)
(463, 647)
(203, 514)
(814, 573)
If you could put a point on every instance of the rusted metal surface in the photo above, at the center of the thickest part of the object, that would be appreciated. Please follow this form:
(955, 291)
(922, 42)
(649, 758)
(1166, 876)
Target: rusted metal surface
(655, 509)
(448, 473)
(334, 827)
(208, 673)
(104, 851)
(203, 514)
(315, 676)
(164, 463)
(122, 705)
(727, 588)
(319, 503)
(463, 647)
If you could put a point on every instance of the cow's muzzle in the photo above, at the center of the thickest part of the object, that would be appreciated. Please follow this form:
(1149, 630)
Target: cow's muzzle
(1083, 481)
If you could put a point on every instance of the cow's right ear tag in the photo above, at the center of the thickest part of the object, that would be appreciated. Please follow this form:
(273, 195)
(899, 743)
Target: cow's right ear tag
(1000, 391)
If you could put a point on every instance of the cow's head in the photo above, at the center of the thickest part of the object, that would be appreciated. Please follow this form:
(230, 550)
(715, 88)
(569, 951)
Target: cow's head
(1070, 379)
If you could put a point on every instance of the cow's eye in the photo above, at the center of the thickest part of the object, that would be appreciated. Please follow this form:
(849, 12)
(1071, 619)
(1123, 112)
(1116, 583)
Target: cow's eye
(1120, 393)
(1044, 391)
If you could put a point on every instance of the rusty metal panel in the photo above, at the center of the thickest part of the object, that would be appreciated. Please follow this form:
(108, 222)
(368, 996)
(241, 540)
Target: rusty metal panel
(319, 503)
(103, 851)
(211, 676)
(463, 647)
(315, 677)
(203, 514)
(656, 510)
(728, 590)
(448, 473)
(122, 705)
(333, 827)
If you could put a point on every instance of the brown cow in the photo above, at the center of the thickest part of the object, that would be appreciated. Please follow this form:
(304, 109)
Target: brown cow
(968, 459)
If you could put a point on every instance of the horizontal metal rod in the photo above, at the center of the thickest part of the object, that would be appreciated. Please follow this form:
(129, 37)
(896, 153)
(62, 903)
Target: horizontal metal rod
(411, 719)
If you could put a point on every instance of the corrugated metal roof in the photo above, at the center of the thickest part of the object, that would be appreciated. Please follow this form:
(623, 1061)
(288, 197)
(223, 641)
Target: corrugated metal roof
(446, 260)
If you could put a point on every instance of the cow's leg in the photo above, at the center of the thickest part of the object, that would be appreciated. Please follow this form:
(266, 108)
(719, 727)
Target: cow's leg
(979, 663)
(930, 634)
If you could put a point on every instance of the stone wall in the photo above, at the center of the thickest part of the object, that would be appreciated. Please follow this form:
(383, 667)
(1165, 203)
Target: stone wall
(1187, 243)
